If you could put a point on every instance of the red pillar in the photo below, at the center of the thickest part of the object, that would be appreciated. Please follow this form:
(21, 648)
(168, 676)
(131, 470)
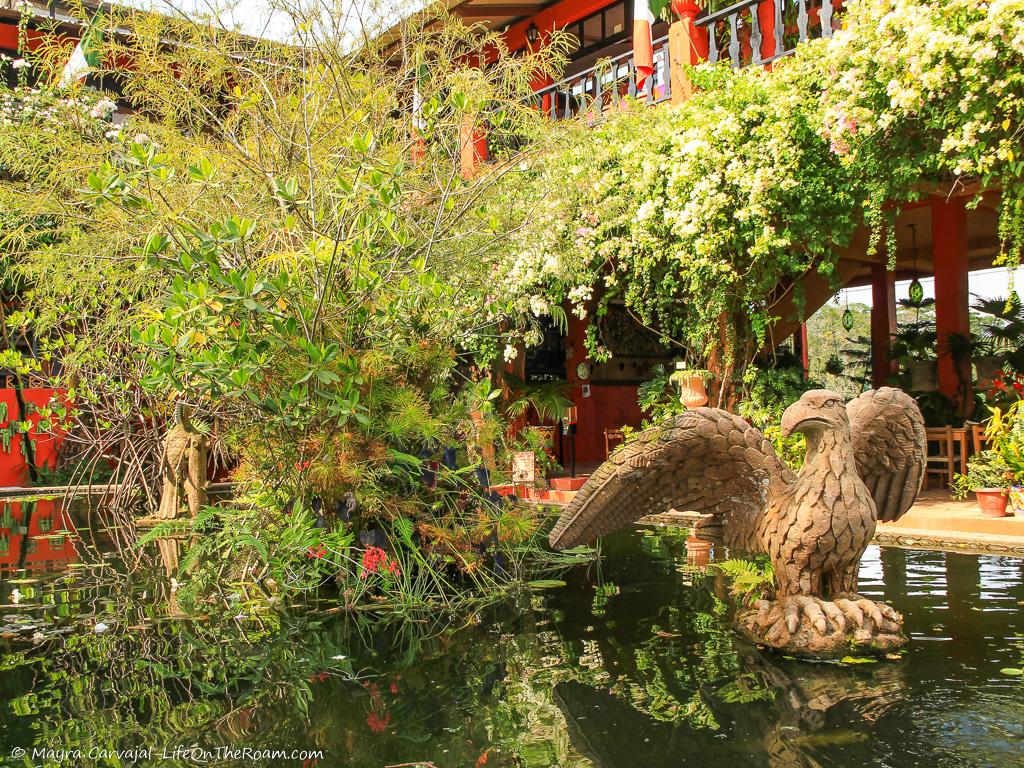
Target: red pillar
(687, 44)
(883, 323)
(949, 253)
(472, 146)
(766, 21)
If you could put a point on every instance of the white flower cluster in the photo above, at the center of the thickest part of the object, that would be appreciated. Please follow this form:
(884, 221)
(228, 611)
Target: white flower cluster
(22, 106)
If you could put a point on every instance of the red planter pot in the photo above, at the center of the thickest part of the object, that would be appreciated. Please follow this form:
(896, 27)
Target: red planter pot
(992, 501)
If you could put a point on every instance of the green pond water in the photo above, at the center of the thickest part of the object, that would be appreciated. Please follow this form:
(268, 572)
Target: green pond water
(630, 664)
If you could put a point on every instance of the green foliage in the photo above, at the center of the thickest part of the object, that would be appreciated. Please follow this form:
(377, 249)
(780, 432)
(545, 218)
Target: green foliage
(771, 391)
(828, 341)
(276, 243)
(699, 217)
(986, 470)
(659, 396)
(1002, 465)
(547, 399)
(751, 580)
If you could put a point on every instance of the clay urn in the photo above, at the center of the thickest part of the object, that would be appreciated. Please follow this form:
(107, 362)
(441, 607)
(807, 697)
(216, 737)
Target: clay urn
(698, 552)
(683, 8)
(692, 392)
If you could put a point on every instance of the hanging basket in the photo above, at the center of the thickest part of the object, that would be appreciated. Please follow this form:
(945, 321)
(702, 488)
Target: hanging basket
(924, 375)
(986, 368)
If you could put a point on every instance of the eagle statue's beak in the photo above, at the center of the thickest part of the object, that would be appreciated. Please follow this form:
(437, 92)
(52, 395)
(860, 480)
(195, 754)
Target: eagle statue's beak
(801, 416)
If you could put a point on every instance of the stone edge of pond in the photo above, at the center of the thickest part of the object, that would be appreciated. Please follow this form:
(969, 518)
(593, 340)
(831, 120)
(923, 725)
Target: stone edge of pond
(908, 538)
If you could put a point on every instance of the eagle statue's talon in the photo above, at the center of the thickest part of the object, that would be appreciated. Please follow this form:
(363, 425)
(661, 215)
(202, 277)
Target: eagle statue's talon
(813, 626)
(865, 464)
(779, 620)
(880, 615)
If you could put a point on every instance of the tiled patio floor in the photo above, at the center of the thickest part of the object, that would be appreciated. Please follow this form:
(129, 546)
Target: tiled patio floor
(936, 518)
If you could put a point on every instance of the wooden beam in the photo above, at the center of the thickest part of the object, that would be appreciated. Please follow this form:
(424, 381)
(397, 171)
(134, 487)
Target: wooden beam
(470, 11)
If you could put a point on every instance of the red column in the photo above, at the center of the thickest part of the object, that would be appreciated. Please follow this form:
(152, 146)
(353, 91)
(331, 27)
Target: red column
(949, 253)
(766, 21)
(472, 146)
(883, 323)
(687, 44)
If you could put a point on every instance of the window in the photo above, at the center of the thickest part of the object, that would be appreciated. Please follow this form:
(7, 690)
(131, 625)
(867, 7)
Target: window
(615, 20)
(600, 29)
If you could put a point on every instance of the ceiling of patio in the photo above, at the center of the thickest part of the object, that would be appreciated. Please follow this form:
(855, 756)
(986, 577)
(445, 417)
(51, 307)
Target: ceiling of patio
(916, 221)
(497, 14)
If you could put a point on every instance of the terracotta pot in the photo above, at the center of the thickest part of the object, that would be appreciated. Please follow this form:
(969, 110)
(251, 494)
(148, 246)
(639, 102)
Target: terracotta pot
(992, 501)
(685, 8)
(698, 552)
(692, 392)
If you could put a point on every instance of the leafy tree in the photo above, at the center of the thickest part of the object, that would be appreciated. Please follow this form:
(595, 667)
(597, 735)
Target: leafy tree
(281, 238)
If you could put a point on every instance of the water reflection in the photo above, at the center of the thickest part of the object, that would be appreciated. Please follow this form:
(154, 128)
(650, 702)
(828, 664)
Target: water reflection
(631, 664)
(35, 535)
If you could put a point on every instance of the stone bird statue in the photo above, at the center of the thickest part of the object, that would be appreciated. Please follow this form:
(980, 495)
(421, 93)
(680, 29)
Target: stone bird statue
(865, 462)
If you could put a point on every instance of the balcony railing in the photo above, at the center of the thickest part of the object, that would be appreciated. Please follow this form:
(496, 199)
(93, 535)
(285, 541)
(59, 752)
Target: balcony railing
(756, 32)
(598, 89)
(747, 33)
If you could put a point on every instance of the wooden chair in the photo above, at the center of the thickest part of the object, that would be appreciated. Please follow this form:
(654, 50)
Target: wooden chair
(978, 439)
(612, 434)
(943, 455)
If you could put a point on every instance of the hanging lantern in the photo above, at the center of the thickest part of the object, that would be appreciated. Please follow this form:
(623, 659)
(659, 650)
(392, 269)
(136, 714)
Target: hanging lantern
(848, 319)
(916, 291)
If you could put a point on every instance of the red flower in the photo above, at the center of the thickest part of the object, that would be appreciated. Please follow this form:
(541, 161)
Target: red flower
(394, 687)
(378, 723)
(317, 553)
(375, 560)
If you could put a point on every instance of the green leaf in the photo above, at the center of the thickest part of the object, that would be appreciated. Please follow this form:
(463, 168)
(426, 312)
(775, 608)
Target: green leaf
(545, 584)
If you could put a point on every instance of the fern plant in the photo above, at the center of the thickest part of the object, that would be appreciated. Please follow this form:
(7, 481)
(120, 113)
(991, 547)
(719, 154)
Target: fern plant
(751, 580)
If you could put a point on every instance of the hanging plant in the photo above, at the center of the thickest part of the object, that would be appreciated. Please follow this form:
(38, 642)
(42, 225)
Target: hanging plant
(835, 366)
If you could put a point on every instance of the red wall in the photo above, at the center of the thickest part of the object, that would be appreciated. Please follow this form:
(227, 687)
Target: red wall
(13, 469)
(609, 406)
(555, 17)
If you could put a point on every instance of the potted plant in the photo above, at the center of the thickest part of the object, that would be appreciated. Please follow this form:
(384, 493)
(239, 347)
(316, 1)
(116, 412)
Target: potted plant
(914, 346)
(692, 391)
(1002, 336)
(988, 477)
(1004, 432)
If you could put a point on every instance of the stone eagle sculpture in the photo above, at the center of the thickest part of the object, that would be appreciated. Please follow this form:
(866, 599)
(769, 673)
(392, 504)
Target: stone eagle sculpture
(865, 463)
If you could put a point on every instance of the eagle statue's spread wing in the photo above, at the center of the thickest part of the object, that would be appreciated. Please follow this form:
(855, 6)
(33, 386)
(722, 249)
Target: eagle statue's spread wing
(705, 460)
(890, 449)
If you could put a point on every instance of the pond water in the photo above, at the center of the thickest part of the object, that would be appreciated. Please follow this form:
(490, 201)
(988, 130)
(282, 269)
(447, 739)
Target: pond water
(630, 664)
